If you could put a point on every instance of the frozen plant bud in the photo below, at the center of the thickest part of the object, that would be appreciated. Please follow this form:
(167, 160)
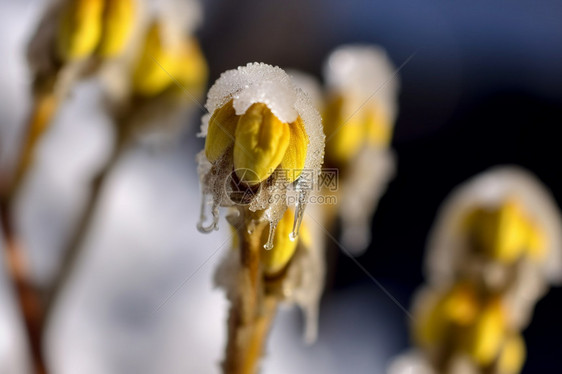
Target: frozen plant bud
(362, 101)
(169, 59)
(504, 213)
(362, 95)
(259, 123)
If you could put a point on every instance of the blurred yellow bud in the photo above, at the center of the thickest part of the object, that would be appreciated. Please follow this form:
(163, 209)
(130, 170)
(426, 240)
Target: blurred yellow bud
(485, 337)
(80, 28)
(504, 233)
(164, 63)
(512, 355)
(118, 21)
(344, 139)
(261, 141)
(295, 156)
(276, 259)
(458, 307)
(349, 133)
(221, 131)
(190, 68)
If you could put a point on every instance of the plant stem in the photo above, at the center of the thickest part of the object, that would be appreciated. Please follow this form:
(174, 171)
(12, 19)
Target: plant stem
(252, 312)
(28, 297)
(27, 294)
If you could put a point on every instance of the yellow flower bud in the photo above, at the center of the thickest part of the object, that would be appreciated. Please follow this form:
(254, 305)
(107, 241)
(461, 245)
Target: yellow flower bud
(80, 28)
(190, 67)
(276, 259)
(295, 155)
(512, 355)
(221, 131)
(261, 141)
(343, 141)
(118, 21)
(504, 233)
(162, 65)
(151, 75)
(461, 304)
(347, 134)
(458, 307)
(485, 337)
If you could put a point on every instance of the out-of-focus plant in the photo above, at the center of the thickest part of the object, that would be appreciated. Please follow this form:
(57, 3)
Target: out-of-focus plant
(264, 143)
(495, 248)
(359, 115)
(150, 93)
(153, 71)
(75, 39)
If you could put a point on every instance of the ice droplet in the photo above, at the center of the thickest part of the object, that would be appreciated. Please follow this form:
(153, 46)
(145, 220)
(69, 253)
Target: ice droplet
(299, 214)
(271, 236)
(214, 225)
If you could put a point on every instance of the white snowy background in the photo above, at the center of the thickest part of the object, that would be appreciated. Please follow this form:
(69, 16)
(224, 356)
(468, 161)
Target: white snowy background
(143, 251)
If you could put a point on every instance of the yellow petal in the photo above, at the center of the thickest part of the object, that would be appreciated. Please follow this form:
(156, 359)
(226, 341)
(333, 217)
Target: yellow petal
(80, 28)
(275, 260)
(151, 75)
(220, 135)
(485, 337)
(295, 156)
(457, 307)
(118, 21)
(461, 304)
(344, 136)
(503, 233)
(261, 141)
(379, 129)
(512, 356)
(190, 67)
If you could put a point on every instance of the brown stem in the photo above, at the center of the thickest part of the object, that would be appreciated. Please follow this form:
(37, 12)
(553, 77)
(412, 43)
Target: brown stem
(28, 297)
(44, 107)
(252, 311)
(72, 251)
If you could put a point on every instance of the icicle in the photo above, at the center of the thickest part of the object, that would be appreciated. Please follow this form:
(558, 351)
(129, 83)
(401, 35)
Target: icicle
(299, 214)
(203, 217)
(269, 244)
